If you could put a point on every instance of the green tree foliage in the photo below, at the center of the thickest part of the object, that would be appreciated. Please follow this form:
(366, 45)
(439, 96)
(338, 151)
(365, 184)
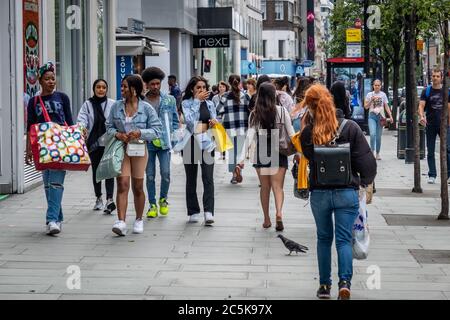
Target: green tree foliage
(343, 17)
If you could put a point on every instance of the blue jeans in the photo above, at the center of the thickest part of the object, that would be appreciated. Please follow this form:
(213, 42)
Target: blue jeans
(345, 205)
(164, 157)
(432, 132)
(375, 132)
(54, 190)
(238, 143)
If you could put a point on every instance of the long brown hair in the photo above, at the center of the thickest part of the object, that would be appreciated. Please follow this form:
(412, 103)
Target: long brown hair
(265, 111)
(322, 114)
(234, 82)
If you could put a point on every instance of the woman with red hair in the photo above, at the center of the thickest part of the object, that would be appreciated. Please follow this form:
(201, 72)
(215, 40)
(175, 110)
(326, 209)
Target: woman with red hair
(322, 124)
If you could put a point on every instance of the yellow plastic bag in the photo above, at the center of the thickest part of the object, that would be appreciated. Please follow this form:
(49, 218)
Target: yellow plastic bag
(303, 165)
(223, 141)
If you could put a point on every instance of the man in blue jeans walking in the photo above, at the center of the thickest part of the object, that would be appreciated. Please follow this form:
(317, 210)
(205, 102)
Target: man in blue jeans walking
(430, 108)
(166, 108)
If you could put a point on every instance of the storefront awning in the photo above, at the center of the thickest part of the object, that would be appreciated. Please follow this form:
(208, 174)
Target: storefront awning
(136, 44)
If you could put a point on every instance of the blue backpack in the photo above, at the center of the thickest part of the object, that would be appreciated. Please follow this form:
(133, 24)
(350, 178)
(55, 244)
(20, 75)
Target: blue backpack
(428, 92)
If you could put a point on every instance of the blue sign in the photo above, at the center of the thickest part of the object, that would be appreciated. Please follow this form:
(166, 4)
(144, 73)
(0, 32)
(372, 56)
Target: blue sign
(300, 70)
(279, 68)
(124, 68)
(252, 68)
(307, 63)
(244, 67)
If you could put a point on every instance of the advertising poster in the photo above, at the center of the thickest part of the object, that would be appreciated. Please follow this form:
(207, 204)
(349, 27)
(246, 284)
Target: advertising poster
(31, 45)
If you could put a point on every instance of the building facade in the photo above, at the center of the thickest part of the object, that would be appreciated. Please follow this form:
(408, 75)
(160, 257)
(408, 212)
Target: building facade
(79, 37)
(174, 23)
(240, 21)
(281, 37)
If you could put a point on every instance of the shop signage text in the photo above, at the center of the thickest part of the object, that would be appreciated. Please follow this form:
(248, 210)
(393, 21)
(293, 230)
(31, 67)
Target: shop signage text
(221, 41)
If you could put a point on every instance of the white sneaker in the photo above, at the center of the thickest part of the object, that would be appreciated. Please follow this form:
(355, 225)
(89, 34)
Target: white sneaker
(431, 180)
(209, 218)
(53, 229)
(98, 204)
(195, 218)
(138, 227)
(60, 225)
(120, 228)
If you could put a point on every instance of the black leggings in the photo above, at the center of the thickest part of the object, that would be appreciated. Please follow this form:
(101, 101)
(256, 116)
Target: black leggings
(96, 157)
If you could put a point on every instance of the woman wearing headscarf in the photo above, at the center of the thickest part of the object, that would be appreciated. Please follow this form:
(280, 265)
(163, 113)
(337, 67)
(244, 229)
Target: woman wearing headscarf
(93, 115)
(57, 105)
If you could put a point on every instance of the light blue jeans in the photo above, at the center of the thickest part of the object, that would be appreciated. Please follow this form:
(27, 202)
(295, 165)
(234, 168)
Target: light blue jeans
(54, 190)
(345, 205)
(375, 132)
(164, 157)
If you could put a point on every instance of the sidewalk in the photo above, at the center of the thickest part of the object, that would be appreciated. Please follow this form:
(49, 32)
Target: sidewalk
(236, 259)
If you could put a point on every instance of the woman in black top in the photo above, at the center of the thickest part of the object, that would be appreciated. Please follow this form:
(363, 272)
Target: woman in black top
(321, 128)
(200, 115)
(57, 105)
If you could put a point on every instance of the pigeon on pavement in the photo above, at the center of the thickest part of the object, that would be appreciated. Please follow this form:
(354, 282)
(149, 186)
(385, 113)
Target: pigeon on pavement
(292, 246)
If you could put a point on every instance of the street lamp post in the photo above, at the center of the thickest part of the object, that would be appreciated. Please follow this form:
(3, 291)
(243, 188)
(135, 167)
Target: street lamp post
(366, 40)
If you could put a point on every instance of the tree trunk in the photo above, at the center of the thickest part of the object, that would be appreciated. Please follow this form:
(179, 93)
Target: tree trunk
(444, 127)
(412, 141)
(416, 129)
(386, 77)
(396, 63)
(395, 84)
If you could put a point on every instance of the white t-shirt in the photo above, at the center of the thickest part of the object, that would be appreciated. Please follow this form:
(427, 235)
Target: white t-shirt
(378, 104)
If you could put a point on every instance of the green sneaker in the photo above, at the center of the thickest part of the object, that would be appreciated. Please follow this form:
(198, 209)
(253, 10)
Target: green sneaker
(163, 207)
(152, 212)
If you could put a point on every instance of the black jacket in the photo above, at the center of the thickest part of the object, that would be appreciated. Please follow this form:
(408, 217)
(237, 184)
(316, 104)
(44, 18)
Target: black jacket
(364, 165)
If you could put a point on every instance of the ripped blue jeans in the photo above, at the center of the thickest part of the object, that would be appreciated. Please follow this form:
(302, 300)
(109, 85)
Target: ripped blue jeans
(54, 190)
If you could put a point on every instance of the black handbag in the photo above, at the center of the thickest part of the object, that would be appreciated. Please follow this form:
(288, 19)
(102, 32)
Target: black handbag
(332, 162)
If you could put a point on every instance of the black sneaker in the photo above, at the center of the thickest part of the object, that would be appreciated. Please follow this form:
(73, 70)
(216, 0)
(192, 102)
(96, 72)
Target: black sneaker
(110, 207)
(324, 292)
(344, 290)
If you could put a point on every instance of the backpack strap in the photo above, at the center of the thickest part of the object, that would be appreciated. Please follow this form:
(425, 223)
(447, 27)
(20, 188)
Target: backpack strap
(341, 128)
(428, 92)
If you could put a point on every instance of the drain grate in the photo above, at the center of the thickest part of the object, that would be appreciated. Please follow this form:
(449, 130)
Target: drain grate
(431, 256)
(415, 220)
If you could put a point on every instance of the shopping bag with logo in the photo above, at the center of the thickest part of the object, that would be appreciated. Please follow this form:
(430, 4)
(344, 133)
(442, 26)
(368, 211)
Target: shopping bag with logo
(57, 147)
(111, 164)
(223, 141)
(361, 237)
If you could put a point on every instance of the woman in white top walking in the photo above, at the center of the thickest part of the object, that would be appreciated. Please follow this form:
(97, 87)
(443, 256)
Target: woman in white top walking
(377, 102)
(270, 165)
(93, 115)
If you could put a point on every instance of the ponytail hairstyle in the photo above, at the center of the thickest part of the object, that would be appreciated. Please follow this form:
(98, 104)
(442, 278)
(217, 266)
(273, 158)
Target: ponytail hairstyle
(235, 81)
(322, 114)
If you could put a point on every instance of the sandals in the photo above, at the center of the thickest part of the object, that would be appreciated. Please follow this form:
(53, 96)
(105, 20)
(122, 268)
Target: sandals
(238, 174)
(280, 226)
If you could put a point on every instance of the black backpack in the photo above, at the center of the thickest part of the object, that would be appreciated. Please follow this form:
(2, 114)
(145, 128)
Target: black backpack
(333, 162)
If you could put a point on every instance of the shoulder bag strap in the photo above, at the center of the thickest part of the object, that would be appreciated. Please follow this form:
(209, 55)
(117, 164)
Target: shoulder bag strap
(44, 109)
(341, 128)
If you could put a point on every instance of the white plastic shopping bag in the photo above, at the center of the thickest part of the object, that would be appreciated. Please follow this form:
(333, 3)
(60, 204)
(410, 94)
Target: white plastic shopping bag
(361, 237)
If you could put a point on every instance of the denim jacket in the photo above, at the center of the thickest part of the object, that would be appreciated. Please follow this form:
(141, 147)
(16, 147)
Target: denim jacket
(146, 121)
(168, 116)
(191, 110)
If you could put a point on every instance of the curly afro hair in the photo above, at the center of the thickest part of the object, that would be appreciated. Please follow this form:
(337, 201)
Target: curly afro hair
(153, 73)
